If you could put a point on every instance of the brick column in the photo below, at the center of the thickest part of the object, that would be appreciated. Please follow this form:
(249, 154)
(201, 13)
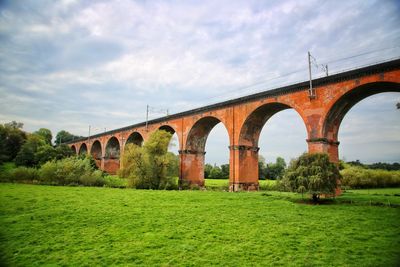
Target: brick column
(192, 167)
(244, 168)
(324, 145)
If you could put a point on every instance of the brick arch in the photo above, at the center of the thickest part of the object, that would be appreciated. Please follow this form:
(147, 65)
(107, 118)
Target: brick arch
(113, 148)
(167, 128)
(255, 121)
(83, 149)
(73, 148)
(197, 137)
(192, 157)
(344, 103)
(172, 131)
(135, 138)
(96, 150)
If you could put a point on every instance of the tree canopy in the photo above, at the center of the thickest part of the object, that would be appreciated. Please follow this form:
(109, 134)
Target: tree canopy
(312, 173)
(11, 139)
(150, 166)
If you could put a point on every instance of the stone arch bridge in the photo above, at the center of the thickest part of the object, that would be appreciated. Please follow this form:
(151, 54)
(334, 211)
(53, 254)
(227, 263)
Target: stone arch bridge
(321, 110)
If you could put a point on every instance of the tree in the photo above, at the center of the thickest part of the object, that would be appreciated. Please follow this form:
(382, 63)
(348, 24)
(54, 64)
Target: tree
(14, 125)
(149, 166)
(262, 168)
(64, 136)
(225, 171)
(26, 155)
(11, 139)
(44, 153)
(216, 173)
(207, 170)
(45, 134)
(275, 170)
(312, 173)
(63, 151)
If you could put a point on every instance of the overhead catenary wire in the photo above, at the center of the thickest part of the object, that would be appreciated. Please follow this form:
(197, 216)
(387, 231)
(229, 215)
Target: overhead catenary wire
(301, 70)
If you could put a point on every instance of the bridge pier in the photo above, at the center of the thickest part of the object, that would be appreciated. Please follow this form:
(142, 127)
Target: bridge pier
(324, 145)
(192, 167)
(244, 168)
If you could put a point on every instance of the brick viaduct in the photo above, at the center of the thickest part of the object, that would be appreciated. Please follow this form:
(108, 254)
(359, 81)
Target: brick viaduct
(245, 117)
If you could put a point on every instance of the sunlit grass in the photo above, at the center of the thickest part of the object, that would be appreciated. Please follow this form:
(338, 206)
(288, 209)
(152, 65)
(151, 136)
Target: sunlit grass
(44, 225)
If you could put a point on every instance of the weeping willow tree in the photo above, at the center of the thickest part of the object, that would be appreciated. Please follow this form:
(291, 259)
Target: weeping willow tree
(150, 166)
(313, 174)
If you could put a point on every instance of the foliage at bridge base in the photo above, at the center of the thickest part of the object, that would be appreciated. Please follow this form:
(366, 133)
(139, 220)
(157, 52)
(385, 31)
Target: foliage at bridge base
(150, 166)
(313, 174)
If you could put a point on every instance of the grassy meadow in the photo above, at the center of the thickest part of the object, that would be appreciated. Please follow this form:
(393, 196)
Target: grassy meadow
(78, 226)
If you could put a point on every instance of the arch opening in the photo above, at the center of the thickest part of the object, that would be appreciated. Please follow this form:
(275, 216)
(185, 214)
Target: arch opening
(347, 101)
(95, 151)
(368, 132)
(282, 138)
(112, 148)
(194, 155)
(217, 165)
(135, 138)
(73, 148)
(83, 149)
(251, 129)
(197, 137)
(251, 167)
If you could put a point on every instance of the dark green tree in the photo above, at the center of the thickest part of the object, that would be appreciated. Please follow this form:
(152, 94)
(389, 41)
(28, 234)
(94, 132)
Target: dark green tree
(11, 139)
(207, 170)
(63, 151)
(216, 173)
(275, 170)
(225, 171)
(64, 136)
(312, 173)
(45, 153)
(262, 168)
(27, 154)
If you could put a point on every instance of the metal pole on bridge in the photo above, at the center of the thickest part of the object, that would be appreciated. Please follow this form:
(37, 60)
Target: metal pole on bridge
(310, 91)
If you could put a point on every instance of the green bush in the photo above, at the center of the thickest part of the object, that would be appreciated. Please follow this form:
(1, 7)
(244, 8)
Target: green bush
(359, 177)
(24, 175)
(114, 181)
(70, 171)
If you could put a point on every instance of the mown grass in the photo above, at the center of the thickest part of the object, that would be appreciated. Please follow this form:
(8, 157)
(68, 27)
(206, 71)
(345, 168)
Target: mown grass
(75, 226)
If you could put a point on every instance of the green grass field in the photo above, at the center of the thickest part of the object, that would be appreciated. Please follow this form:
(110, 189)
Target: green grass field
(75, 226)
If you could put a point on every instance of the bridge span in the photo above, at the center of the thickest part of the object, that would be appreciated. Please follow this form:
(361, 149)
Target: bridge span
(321, 110)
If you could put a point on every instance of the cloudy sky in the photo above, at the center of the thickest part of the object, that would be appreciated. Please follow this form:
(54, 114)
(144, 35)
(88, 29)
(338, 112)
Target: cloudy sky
(70, 64)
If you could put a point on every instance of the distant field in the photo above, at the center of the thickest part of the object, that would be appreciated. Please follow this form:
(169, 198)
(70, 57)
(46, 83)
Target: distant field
(75, 226)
